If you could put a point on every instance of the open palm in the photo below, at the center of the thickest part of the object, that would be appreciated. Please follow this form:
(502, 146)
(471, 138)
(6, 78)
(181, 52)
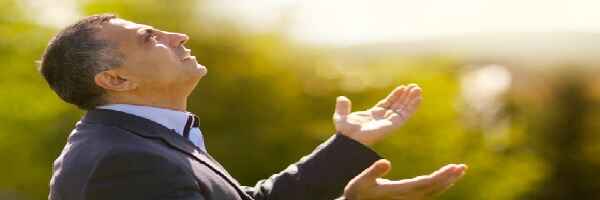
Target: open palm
(372, 125)
(369, 185)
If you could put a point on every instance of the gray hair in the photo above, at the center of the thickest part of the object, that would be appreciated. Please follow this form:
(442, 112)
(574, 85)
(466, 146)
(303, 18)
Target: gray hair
(74, 57)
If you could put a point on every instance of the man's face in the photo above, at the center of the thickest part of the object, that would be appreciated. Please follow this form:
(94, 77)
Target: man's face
(155, 60)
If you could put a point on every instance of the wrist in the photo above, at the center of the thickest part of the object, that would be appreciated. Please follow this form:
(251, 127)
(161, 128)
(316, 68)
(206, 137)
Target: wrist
(356, 137)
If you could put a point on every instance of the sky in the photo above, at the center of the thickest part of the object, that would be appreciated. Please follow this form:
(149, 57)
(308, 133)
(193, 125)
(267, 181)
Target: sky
(364, 21)
(347, 22)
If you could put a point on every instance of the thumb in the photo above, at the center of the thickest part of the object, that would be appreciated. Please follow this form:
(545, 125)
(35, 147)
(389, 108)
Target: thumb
(377, 170)
(343, 106)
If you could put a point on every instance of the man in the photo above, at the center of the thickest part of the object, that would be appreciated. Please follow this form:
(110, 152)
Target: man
(137, 141)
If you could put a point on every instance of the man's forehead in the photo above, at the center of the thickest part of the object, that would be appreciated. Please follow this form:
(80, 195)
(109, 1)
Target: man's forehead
(127, 24)
(121, 31)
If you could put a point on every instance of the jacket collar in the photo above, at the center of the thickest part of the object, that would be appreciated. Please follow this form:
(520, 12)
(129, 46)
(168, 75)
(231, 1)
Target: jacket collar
(172, 119)
(150, 129)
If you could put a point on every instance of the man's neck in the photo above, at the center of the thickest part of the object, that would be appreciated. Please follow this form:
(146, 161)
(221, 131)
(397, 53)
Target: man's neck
(179, 105)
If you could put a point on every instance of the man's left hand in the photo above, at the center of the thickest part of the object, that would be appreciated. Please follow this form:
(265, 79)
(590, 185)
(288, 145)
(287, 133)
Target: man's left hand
(369, 185)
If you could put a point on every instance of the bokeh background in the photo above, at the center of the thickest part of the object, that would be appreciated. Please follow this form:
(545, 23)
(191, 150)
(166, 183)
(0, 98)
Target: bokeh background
(511, 87)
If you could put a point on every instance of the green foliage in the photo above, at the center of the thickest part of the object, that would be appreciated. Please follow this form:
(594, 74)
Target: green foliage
(266, 102)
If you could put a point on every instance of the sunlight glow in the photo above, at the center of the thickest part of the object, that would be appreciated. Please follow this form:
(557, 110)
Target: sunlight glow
(358, 21)
(53, 13)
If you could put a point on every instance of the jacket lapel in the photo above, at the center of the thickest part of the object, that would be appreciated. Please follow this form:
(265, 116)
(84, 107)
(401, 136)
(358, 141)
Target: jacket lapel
(150, 129)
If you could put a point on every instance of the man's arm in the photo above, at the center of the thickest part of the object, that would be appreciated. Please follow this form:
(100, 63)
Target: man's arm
(323, 174)
(320, 175)
(133, 175)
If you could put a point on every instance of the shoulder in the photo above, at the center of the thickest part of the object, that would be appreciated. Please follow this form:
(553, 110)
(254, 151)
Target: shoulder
(91, 147)
(121, 151)
(101, 133)
(132, 159)
(96, 152)
(136, 173)
(116, 146)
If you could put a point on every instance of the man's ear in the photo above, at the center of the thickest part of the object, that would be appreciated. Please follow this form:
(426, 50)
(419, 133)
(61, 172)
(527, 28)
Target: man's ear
(110, 80)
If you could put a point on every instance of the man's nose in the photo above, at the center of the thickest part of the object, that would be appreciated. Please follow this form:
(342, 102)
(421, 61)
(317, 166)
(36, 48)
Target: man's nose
(177, 39)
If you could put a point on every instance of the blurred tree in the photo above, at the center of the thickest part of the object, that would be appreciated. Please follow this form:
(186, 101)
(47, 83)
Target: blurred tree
(274, 99)
(561, 137)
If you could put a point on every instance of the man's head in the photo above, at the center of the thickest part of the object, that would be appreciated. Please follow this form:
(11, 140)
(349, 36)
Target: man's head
(103, 59)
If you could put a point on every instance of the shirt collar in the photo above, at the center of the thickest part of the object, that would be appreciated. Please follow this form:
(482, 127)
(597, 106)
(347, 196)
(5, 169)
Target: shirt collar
(172, 119)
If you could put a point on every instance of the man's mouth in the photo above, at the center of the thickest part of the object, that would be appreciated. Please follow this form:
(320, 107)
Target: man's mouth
(189, 58)
(187, 55)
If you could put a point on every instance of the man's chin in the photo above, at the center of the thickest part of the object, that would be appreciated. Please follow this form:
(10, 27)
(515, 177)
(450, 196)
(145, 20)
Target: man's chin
(194, 77)
(195, 68)
(201, 69)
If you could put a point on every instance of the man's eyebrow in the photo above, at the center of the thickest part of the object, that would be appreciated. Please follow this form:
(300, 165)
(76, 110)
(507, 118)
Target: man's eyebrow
(146, 29)
(146, 32)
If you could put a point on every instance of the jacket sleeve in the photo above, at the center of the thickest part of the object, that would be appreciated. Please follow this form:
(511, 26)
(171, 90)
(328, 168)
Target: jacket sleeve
(134, 175)
(322, 174)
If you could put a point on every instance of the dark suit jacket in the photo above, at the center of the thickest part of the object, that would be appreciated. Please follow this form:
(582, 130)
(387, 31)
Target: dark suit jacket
(112, 155)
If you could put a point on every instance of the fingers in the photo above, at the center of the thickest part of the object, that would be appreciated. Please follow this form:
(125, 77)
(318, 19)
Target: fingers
(442, 179)
(343, 106)
(366, 183)
(414, 98)
(429, 185)
(389, 100)
(457, 174)
(402, 99)
(405, 105)
(378, 169)
(408, 99)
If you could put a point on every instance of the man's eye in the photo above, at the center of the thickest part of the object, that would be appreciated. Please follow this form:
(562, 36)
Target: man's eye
(150, 35)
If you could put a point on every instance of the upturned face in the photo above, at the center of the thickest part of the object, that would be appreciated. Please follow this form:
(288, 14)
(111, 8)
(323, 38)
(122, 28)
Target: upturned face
(156, 62)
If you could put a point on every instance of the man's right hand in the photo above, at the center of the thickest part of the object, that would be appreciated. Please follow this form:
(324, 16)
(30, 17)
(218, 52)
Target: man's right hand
(374, 124)
(369, 184)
